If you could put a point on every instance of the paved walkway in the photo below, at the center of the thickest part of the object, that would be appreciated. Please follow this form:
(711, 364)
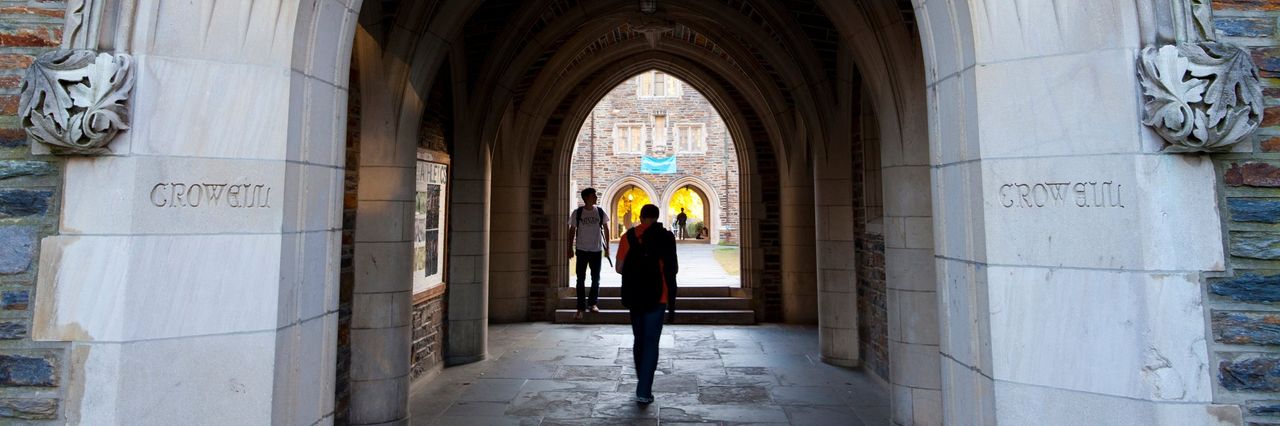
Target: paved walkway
(697, 268)
(548, 374)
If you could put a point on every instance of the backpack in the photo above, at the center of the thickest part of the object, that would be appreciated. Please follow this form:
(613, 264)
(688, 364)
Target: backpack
(641, 273)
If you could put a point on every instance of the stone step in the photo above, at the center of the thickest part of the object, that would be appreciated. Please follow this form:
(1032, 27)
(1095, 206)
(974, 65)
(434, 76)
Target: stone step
(618, 316)
(691, 303)
(684, 291)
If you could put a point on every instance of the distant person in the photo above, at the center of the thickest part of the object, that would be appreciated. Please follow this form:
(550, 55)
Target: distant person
(589, 229)
(680, 220)
(648, 264)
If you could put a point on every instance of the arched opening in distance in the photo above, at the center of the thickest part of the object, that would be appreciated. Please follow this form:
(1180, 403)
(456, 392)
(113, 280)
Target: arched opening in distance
(625, 209)
(690, 202)
(655, 139)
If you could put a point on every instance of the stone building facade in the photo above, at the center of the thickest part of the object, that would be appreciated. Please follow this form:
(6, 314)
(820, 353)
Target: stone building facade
(671, 119)
(974, 306)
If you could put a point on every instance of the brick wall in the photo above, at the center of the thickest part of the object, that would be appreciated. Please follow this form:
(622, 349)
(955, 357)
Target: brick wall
(1244, 302)
(595, 164)
(29, 204)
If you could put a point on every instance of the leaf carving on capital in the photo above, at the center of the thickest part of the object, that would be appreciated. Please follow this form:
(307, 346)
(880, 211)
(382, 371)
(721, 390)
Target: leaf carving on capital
(76, 101)
(1200, 97)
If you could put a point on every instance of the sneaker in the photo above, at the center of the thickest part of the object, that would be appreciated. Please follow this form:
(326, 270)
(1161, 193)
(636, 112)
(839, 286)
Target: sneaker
(595, 308)
(644, 400)
(578, 315)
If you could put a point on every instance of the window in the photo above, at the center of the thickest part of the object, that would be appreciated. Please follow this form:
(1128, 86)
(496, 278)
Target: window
(628, 139)
(656, 84)
(691, 139)
(659, 130)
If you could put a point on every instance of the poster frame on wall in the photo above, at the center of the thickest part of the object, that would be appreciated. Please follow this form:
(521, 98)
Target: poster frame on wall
(430, 240)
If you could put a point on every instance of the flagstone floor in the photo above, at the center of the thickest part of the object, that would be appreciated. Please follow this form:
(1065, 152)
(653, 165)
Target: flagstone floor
(564, 374)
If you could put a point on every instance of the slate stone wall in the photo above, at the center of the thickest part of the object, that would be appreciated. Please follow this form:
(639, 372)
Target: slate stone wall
(31, 373)
(1244, 302)
(428, 337)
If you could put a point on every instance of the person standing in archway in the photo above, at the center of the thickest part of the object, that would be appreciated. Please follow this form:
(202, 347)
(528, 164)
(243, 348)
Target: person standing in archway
(648, 264)
(680, 221)
(589, 229)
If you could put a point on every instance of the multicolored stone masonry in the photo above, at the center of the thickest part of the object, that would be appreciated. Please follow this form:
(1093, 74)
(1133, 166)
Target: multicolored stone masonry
(30, 194)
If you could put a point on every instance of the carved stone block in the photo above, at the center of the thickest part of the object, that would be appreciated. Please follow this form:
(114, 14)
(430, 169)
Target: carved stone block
(76, 101)
(1200, 97)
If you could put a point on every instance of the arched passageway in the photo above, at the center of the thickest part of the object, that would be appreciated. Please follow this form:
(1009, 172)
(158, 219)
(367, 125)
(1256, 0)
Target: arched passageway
(788, 78)
(624, 204)
(986, 311)
(545, 95)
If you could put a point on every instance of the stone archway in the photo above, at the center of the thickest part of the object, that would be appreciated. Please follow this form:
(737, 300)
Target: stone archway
(613, 194)
(709, 196)
(976, 306)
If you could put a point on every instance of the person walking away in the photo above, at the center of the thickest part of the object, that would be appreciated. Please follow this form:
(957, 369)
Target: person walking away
(588, 236)
(680, 221)
(648, 264)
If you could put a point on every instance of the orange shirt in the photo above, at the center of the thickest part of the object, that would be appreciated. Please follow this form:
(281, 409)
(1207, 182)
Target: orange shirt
(623, 245)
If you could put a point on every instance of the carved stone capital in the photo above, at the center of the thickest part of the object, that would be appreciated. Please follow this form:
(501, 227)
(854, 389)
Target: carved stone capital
(1201, 96)
(75, 100)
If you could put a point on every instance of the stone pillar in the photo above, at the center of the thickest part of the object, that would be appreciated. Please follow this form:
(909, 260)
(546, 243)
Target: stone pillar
(469, 253)
(911, 297)
(799, 280)
(1070, 249)
(836, 261)
(509, 243)
(196, 268)
(381, 311)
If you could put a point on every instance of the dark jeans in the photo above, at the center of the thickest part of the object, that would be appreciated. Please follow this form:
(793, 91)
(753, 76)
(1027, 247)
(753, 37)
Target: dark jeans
(592, 259)
(646, 325)
(681, 233)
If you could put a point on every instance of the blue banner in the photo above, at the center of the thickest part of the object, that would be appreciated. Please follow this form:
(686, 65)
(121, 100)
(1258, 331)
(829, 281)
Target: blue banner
(658, 166)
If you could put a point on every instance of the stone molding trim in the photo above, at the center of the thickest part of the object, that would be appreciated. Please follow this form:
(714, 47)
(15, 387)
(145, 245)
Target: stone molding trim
(75, 101)
(1200, 97)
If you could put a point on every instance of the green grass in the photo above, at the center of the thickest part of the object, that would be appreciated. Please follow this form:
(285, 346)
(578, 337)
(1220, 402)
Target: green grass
(729, 259)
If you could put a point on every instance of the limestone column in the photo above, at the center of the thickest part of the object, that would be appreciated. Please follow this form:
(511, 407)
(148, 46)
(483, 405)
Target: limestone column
(195, 271)
(835, 257)
(469, 253)
(381, 310)
(799, 279)
(509, 242)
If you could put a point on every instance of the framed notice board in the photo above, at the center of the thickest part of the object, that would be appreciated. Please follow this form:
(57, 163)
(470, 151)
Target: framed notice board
(430, 224)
